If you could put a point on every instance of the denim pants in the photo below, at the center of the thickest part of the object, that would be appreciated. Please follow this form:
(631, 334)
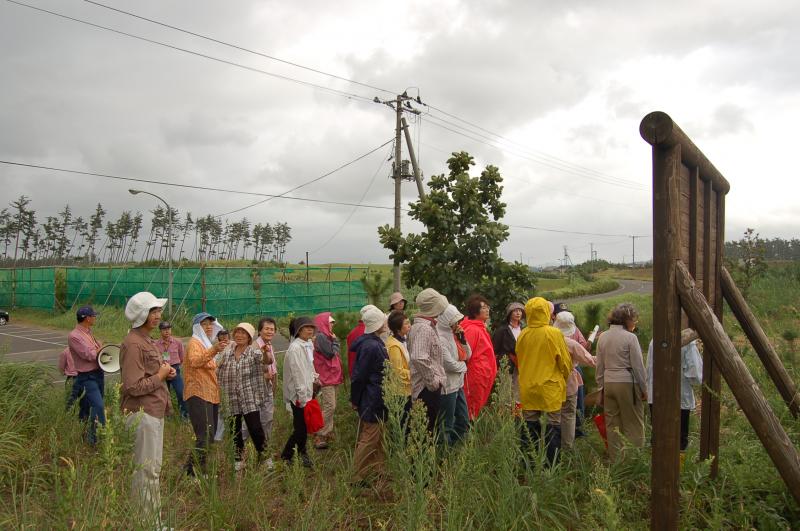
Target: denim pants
(177, 384)
(455, 417)
(91, 386)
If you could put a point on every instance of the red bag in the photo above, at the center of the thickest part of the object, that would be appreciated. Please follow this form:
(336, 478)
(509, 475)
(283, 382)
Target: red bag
(600, 422)
(312, 414)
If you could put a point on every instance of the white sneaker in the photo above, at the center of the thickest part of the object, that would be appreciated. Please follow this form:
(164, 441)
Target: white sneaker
(270, 464)
(238, 466)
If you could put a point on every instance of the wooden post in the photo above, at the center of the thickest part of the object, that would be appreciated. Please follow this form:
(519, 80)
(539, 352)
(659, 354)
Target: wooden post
(761, 343)
(666, 339)
(710, 405)
(748, 395)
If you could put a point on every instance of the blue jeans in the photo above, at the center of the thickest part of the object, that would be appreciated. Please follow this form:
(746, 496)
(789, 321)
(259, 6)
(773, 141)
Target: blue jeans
(91, 386)
(455, 416)
(177, 384)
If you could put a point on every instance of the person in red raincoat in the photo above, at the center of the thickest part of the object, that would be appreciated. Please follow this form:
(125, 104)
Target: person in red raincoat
(482, 366)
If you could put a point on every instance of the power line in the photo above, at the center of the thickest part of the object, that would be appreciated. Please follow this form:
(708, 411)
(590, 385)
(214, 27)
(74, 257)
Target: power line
(577, 232)
(577, 173)
(306, 199)
(352, 212)
(349, 95)
(189, 186)
(540, 153)
(312, 181)
(241, 48)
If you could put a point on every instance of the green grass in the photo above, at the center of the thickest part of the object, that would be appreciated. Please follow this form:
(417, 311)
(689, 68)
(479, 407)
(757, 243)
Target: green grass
(578, 287)
(50, 479)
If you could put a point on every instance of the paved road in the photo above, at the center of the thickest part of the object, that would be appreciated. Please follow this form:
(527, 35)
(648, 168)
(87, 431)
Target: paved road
(638, 287)
(28, 343)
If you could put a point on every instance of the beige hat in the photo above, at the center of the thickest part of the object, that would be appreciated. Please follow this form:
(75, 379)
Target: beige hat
(431, 303)
(363, 310)
(139, 306)
(395, 298)
(565, 322)
(373, 320)
(247, 327)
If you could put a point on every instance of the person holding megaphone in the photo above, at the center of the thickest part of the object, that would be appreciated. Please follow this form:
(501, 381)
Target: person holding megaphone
(89, 383)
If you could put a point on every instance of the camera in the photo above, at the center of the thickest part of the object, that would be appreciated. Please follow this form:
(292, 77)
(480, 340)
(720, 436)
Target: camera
(223, 335)
(461, 338)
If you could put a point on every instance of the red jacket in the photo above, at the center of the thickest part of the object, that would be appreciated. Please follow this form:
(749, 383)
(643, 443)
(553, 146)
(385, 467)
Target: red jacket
(354, 334)
(481, 367)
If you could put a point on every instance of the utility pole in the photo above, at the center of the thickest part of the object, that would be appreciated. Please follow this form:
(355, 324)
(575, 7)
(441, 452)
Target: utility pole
(398, 169)
(633, 251)
(591, 258)
(413, 156)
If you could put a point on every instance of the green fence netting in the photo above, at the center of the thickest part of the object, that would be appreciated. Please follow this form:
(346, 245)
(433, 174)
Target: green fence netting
(220, 291)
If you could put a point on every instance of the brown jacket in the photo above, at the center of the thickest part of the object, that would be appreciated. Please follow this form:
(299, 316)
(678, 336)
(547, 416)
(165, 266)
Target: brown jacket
(142, 389)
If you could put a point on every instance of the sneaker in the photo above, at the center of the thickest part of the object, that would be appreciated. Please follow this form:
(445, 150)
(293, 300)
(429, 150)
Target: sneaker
(306, 461)
(238, 466)
(270, 464)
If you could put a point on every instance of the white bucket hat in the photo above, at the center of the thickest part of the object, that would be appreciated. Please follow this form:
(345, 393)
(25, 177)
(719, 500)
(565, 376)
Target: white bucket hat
(565, 322)
(139, 307)
(373, 320)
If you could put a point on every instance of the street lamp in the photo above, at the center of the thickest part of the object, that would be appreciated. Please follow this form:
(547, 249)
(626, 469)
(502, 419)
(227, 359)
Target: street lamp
(169, 242)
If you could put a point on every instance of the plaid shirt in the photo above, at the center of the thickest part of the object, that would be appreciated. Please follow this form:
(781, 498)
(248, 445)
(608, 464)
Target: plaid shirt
(426, 352)
(242, 381)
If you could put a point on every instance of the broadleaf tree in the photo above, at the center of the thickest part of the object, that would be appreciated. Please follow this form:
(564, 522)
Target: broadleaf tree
(458, 252)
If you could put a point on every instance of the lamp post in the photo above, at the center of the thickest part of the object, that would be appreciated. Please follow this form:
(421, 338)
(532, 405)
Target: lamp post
(169, 242)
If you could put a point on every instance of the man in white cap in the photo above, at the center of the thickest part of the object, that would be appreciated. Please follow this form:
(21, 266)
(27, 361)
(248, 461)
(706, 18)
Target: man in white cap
(144, 397)
(426, 352)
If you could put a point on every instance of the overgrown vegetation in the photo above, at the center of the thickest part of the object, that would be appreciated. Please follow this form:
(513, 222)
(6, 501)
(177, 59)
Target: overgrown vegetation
(50, 479)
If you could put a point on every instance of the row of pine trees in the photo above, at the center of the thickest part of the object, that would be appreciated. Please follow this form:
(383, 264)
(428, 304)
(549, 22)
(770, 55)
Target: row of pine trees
(99, 238)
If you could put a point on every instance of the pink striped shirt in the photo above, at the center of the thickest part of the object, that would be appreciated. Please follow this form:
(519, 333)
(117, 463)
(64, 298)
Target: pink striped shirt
(84, 347)
(65, 364)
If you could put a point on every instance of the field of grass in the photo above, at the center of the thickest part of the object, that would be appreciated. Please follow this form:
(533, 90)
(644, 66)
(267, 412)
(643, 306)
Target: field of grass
(50, 479)
(639, 273)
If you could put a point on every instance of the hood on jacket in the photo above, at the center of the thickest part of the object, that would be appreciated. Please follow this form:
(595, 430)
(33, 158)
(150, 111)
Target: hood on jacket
(323, 322)
(299, 322)
(537, 312)
(449, 317)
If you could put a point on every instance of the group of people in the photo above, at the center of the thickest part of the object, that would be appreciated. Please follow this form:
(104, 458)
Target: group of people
(446, 360)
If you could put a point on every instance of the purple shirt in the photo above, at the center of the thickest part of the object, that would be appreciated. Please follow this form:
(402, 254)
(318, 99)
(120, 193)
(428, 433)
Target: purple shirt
(84, 347)
(175, 349)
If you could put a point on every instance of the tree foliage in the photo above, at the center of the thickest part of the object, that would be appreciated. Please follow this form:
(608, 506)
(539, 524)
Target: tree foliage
(750, 263)
(457, 253)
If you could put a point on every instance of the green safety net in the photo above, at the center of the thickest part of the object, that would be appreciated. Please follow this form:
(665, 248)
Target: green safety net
(232, 291)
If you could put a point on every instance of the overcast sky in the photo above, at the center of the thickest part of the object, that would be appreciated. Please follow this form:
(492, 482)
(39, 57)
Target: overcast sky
(564, 83)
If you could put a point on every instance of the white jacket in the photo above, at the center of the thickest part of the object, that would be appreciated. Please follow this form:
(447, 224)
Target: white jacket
(298, 374)
(454, 368)
(691, 374)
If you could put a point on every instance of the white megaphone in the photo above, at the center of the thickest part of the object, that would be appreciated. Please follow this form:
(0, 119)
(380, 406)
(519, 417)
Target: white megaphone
(108, 358)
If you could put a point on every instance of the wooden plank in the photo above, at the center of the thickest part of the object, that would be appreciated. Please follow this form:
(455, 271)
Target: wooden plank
(666, 339)
(694, 199)
(748, 395)
(658, 129)
(761, 344)
(710, 406)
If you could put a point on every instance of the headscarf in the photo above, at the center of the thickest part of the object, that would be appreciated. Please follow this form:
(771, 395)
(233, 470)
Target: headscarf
(200, 334)
(323, 322)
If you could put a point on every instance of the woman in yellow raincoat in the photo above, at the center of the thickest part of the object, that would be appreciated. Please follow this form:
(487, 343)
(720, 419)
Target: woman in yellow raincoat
(544, 366)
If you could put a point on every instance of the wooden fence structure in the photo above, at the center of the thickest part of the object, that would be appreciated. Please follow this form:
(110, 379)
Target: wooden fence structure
(688, 290)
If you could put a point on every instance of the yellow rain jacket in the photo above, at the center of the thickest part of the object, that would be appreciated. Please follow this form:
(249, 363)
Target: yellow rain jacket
(543, 360)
